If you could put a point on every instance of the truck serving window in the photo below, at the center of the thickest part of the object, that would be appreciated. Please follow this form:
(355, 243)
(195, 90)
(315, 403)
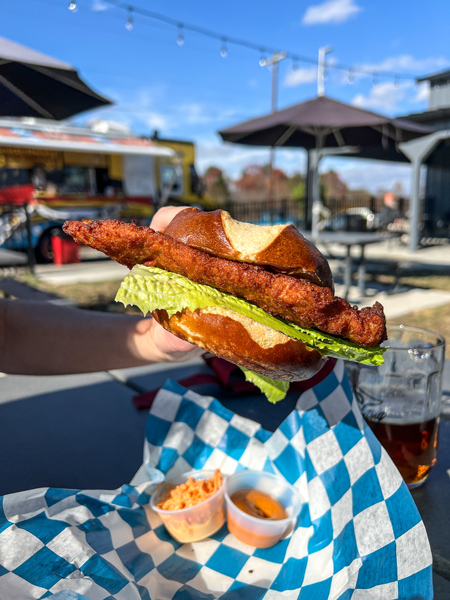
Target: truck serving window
(172, 178)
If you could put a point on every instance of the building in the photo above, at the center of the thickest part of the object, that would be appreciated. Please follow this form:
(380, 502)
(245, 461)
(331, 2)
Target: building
(434, 152)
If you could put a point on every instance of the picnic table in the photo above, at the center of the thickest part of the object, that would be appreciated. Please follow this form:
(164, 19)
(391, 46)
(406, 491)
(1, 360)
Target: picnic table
(84, 432)
(350, 240)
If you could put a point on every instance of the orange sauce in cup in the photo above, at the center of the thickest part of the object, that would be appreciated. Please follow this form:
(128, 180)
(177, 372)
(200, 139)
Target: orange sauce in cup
(260, 505)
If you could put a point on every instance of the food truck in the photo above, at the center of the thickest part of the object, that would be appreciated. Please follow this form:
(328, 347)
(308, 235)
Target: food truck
(55, 171)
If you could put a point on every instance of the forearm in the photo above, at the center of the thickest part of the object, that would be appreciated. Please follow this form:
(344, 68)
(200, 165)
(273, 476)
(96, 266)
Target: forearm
(44, 339)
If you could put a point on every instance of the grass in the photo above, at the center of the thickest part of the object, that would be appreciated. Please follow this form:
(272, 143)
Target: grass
(100, 296)
(434, 319)
(429, 282)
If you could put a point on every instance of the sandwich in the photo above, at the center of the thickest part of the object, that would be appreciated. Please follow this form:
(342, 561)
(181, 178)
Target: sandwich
(261, 297)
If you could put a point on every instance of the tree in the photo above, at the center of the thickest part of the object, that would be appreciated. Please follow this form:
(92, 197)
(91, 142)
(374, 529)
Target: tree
(297, 187)
(254, 183)
(216, 185)
(333, 186)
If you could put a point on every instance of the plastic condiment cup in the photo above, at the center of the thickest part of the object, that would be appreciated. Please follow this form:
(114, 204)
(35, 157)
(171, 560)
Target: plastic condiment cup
(261, 533)
(197, 522)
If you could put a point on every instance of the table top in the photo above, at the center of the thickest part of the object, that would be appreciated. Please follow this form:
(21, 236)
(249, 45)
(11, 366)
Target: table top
(92, 415)
(352, 238)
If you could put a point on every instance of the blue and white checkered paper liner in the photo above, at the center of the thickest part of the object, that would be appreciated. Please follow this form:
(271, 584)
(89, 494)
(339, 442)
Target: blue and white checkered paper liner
(359, 534)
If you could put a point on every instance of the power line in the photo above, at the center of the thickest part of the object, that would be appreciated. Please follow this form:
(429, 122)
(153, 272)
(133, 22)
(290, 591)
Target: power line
(226, 40)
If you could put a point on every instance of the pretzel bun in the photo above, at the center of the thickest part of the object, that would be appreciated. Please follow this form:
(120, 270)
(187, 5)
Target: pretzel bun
(280, 248)
(244, 342)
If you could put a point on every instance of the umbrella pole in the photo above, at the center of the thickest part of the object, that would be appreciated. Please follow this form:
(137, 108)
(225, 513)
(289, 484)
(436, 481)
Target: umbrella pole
(308, 192)
(316, 155)
(271, 184)
(316, 205)
(273, 62)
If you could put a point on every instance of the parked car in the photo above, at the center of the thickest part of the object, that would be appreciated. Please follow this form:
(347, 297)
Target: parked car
(360, 218)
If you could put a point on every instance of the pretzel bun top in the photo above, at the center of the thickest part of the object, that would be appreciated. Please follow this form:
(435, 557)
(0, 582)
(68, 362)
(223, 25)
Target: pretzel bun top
(280, 248)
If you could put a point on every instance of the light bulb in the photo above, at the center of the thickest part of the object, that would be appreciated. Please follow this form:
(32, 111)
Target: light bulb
(180, 38)
(73, 6)
(262, 60)
(223, 50)
(129, 23)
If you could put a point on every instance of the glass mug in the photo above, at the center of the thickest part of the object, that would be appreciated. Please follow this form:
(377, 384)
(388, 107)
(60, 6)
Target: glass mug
(400, 399)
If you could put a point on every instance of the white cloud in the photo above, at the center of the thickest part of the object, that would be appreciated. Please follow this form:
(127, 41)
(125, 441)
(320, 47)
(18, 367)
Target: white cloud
(331, 11)
(156, 120)
(148, 107)
(233, 158)
(384, 97)
(406, 62)
(99, 6)
(300, 77)
(197, 114)
(422, 93)
(369, 174)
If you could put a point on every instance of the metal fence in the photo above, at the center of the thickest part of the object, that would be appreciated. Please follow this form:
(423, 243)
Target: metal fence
(263, 212)
(292, 211)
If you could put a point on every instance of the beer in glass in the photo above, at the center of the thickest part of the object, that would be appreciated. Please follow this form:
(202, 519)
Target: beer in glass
(400, 399)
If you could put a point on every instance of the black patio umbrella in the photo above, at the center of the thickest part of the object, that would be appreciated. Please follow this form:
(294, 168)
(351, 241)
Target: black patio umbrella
(323, 123)
(326, 123)
(35, 85)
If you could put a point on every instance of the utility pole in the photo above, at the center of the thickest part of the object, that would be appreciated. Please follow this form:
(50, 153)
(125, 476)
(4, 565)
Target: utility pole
(273, 62)
(321, 70)
(313, 159)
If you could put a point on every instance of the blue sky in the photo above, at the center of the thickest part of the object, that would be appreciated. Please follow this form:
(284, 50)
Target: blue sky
(190, 91)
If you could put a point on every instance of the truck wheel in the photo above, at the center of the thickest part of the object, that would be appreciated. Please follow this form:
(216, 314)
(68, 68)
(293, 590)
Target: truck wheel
(44, 250)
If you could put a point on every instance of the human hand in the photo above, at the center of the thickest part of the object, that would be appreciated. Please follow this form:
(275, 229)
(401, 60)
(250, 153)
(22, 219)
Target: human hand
(164, 215)
(172, 348)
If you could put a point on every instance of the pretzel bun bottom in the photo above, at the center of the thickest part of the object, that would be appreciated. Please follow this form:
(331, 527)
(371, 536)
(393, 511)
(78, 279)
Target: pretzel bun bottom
(244, 342)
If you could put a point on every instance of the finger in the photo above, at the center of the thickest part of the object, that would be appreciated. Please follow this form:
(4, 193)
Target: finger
(164, 215)
(173, 347)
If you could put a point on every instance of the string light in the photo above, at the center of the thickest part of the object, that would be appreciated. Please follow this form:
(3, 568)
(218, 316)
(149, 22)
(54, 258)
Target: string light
(129, 23)
(262, 60)
(73, 6)
(180, 38)
(243, 43)
(223, 49)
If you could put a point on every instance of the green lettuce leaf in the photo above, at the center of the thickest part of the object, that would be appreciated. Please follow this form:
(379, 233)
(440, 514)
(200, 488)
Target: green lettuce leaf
(274, 389)
(150, 288)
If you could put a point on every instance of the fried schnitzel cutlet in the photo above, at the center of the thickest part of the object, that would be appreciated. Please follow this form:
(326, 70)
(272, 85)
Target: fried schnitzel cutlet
(296, 300)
